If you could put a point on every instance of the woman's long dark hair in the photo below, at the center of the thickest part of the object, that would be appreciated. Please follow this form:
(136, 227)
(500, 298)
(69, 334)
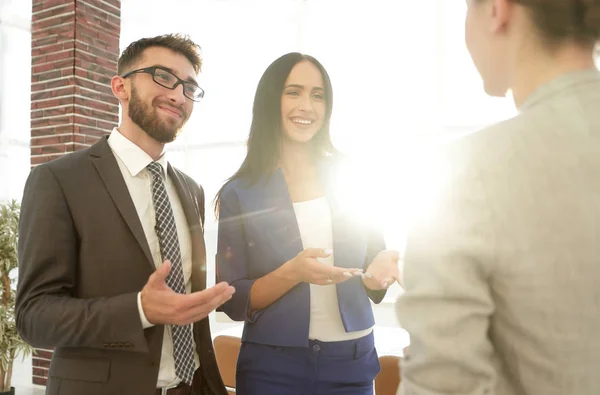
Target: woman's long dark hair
(264, 141)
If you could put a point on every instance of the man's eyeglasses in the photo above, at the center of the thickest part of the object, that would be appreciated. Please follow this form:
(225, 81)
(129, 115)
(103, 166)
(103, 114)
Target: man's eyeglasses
(165, 78)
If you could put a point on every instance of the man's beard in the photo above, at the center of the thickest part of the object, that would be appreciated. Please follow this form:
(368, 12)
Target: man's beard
(146, 117)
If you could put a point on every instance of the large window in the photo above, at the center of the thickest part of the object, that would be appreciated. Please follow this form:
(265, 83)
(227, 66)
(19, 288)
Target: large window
(15, 77)
(401, 76)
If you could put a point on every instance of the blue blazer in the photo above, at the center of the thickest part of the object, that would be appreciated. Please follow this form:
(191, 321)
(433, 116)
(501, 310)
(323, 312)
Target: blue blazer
(258, 232)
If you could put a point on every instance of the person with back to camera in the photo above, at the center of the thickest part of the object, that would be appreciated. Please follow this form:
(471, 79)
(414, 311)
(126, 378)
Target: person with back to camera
(501, 278)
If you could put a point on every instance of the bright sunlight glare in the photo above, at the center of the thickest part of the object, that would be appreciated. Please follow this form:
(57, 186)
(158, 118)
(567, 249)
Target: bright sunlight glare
(389, 191)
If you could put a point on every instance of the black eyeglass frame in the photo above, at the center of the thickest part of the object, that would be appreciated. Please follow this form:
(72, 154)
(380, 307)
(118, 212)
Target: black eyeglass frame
(152, 71)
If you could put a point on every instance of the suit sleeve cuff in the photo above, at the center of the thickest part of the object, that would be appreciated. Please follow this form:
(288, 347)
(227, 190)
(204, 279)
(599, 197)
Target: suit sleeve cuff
(252, 315)
(238, 307)
(145, 323)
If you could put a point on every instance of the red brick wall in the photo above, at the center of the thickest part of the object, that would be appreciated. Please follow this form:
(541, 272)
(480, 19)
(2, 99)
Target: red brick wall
(75, 45)
(74, 51)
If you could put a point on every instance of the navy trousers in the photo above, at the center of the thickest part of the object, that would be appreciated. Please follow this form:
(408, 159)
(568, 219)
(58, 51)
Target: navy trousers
(324, 368)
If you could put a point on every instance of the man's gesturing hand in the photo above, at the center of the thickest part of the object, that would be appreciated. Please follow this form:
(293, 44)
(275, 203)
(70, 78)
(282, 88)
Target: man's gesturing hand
(162, 305)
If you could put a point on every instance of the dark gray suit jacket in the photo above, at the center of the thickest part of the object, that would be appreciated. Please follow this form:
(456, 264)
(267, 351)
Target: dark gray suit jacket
(83, 258)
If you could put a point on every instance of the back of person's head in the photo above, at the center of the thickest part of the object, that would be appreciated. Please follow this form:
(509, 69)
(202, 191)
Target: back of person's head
(507, 38)
(177, 43)
(559, 21)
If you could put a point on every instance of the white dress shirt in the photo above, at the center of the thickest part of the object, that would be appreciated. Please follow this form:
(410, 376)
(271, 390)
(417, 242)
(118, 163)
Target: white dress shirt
(314, 222)
(132, 161)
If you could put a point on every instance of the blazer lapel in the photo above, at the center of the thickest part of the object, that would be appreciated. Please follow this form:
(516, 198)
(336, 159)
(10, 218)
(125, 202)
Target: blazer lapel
(192, 215)
(285, 222)
(349, 247)
(110, 173)
(273, 216)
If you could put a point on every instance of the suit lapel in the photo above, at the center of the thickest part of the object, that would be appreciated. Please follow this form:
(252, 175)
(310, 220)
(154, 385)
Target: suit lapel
(191, 208)
(348, 247)
(349, 243)
(188, 200)
(110, 173)
(274, 216)
(191, 205)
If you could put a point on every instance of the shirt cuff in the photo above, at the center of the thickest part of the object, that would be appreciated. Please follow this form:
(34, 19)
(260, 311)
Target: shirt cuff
(145, 322)
(401, 271)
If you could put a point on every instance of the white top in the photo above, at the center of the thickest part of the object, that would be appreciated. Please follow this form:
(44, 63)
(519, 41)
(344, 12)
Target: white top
(314, 222)
(132, 161)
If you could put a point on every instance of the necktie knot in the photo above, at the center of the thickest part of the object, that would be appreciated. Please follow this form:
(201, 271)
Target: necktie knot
(155, 169)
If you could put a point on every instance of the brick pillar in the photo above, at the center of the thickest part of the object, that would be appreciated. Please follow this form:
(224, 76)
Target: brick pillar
(74, 51)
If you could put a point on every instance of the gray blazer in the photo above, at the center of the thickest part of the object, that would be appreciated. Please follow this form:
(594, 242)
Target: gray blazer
(503, 276)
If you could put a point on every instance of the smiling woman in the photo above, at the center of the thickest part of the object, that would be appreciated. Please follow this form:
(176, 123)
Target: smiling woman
(304, 270)
(303, 103)
(292, 106)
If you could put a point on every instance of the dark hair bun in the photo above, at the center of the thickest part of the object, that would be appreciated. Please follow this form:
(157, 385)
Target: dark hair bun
(591, 18)
(558, 20)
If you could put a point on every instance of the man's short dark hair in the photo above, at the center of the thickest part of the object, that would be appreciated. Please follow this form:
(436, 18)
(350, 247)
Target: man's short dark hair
(175, 42)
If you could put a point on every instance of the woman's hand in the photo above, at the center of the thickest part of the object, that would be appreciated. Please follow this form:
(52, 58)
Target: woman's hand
(383, 271)
(306, 267)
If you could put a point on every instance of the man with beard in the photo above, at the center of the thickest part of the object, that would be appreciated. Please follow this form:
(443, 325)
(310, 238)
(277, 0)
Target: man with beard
(112, 259)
